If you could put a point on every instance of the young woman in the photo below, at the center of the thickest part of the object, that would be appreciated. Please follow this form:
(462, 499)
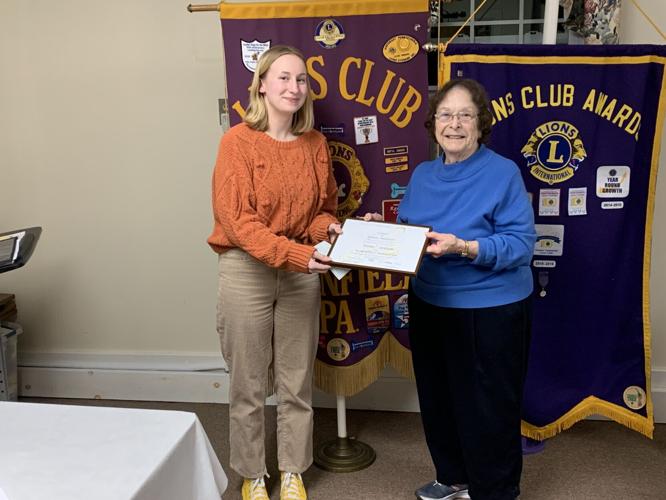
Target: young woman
(274, 198)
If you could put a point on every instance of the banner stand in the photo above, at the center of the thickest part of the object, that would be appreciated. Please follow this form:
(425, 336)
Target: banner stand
(343, 454)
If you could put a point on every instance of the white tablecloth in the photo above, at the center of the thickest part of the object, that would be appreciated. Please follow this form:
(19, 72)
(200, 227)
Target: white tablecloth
(61, 452)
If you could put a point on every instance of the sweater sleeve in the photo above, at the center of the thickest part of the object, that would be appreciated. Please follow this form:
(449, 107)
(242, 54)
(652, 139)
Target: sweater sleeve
(318, 228)
(512, 244)
(234, 207)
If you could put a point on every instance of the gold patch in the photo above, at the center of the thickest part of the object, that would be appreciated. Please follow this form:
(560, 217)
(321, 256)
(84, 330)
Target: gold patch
(338, 349)
(401, 48)
(396, 168)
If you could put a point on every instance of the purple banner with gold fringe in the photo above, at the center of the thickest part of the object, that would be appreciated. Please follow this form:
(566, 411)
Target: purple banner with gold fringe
(584, 124)
(369, 82)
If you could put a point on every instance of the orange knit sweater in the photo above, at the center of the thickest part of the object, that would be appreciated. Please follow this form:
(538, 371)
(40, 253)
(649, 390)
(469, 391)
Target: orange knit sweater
(273, 199)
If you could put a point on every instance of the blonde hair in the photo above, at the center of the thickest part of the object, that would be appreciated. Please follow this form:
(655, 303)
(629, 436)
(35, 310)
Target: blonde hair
(256, 115)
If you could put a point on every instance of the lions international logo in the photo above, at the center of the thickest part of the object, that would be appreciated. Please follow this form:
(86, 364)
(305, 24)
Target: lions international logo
(329, 33)
(554, 152)
(352, 182)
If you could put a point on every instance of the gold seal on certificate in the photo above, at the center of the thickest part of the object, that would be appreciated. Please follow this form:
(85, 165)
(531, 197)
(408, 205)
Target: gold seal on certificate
(384, 246)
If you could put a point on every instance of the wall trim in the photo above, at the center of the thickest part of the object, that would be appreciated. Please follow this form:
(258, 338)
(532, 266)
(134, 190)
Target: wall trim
(201, 378)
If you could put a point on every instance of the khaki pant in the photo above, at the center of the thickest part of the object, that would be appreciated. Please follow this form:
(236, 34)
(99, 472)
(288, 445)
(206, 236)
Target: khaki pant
(267, 320)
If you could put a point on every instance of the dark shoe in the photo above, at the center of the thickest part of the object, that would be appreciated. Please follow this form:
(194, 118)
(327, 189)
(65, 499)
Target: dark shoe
(531, 446)
(439, 491)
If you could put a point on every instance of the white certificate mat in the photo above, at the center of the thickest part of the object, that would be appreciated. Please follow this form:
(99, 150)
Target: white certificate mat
(385, 246)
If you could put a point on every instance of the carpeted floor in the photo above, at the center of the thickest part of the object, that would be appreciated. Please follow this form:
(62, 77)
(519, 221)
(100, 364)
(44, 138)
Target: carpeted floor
(594, 460)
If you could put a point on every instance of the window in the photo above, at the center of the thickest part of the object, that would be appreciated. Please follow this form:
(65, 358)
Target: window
(498, 21)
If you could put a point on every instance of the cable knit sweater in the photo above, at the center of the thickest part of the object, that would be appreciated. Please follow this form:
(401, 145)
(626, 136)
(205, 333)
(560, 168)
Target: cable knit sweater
(272, 199)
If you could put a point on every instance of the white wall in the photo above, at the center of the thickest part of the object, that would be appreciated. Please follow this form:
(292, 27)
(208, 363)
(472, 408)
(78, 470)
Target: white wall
(108, 134)
(634, 29)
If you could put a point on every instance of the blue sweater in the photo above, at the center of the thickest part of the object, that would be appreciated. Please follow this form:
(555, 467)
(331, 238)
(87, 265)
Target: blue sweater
(482, 198)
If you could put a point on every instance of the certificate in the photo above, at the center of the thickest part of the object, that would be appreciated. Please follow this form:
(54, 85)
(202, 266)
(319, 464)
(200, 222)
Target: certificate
(384, 246)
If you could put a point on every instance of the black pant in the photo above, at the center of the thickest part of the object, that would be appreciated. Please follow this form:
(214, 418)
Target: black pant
(470, 367)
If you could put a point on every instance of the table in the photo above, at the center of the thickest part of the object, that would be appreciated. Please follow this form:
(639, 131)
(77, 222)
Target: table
(62, 452)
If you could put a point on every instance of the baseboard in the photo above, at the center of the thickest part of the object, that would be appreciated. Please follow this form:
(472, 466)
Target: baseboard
(659, 394)
(201, 378)
(191, 377)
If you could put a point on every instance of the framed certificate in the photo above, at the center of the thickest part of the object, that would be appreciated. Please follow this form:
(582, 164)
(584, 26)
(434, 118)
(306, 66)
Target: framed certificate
(385, 246)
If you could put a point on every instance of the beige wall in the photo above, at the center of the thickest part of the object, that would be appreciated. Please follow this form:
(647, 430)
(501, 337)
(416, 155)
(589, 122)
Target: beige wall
(635, 29)
(108, 133)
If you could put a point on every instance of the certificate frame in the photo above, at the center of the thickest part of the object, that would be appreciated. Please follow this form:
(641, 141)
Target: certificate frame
(379, 245)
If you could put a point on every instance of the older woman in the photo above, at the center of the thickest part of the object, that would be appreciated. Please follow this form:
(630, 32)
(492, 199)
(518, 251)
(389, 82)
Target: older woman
(469, 304)
(274, 198)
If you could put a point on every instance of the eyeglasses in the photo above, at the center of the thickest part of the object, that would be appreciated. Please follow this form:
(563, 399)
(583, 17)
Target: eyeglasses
(463, 116)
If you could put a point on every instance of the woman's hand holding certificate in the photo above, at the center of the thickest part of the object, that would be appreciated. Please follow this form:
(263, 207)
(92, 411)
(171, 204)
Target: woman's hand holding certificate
(384, 246)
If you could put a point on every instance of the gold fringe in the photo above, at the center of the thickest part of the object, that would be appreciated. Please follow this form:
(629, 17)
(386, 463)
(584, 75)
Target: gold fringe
(349, 380)
(591, 406)
(400, 358)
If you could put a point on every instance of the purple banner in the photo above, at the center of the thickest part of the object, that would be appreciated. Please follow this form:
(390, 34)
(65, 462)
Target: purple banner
(584, 124)
(369, 81)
